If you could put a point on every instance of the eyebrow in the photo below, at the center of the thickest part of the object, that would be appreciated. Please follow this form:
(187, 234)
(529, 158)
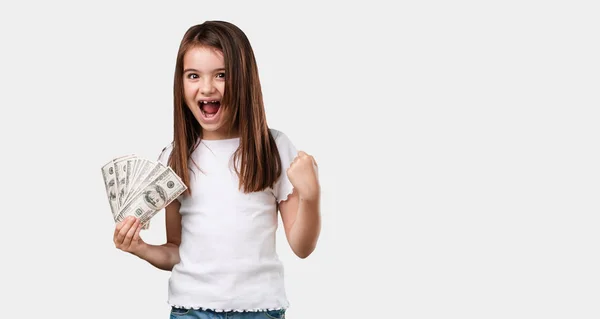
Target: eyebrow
(194, 70)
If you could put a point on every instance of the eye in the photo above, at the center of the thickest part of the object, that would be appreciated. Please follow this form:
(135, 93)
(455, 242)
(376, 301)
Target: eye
(192, 76)
(221, 75)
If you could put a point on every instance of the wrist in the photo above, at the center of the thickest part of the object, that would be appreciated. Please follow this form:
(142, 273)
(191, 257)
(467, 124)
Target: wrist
(141, 250)
(309, 197)
(310, 193)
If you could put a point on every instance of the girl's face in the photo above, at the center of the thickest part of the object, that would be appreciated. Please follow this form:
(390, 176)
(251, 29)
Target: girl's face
(203, 87)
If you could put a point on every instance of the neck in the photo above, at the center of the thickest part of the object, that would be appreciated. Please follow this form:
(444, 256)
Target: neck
(219, 134)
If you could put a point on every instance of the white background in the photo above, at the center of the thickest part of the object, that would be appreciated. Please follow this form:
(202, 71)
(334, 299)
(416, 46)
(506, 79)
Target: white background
(457, 144)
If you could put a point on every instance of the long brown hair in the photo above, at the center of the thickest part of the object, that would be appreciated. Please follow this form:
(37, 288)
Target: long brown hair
(242, 103)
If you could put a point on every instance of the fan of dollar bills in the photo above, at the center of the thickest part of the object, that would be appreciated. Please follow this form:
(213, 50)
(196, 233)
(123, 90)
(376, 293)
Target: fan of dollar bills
(139, 187)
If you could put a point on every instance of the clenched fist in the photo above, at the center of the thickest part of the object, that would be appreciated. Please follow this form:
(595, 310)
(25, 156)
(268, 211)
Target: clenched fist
(303, 174)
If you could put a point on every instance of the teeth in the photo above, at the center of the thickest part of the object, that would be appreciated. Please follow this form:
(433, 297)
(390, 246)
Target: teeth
(204, 102)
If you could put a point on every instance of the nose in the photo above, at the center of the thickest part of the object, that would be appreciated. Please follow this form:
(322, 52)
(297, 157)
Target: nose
(207, 87)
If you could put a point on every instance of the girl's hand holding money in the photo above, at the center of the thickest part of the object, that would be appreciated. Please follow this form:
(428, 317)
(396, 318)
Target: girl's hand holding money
(127, 235)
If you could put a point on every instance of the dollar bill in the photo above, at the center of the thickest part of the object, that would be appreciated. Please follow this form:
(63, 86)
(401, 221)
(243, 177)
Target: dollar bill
(156, 195)
(147, 173)
(110, 183)
(120, 167)
(139, 187)
(114, 175)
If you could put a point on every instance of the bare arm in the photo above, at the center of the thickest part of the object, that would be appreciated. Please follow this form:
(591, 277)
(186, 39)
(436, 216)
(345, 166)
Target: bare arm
(301, 212)
(301, 219)
(163, 256)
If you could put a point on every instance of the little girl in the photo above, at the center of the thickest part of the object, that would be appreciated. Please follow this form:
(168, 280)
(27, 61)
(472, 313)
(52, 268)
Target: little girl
(221, 232)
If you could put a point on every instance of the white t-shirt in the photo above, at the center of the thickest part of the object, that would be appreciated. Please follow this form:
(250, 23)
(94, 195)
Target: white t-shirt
(228, 258)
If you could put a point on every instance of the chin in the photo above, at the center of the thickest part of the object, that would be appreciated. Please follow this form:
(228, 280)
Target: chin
(211, 128)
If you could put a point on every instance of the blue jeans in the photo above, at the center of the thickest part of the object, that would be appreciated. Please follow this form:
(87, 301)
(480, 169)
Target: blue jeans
(179, 313)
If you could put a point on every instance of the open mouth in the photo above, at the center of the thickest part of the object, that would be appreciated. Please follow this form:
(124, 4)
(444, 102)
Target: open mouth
(209, 108)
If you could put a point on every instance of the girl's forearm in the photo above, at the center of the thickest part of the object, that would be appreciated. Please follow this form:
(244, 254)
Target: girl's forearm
(160, 256)
(305, 231)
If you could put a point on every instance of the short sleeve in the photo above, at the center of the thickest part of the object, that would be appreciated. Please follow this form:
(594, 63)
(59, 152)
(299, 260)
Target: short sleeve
(163, 157)
(287, 152)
